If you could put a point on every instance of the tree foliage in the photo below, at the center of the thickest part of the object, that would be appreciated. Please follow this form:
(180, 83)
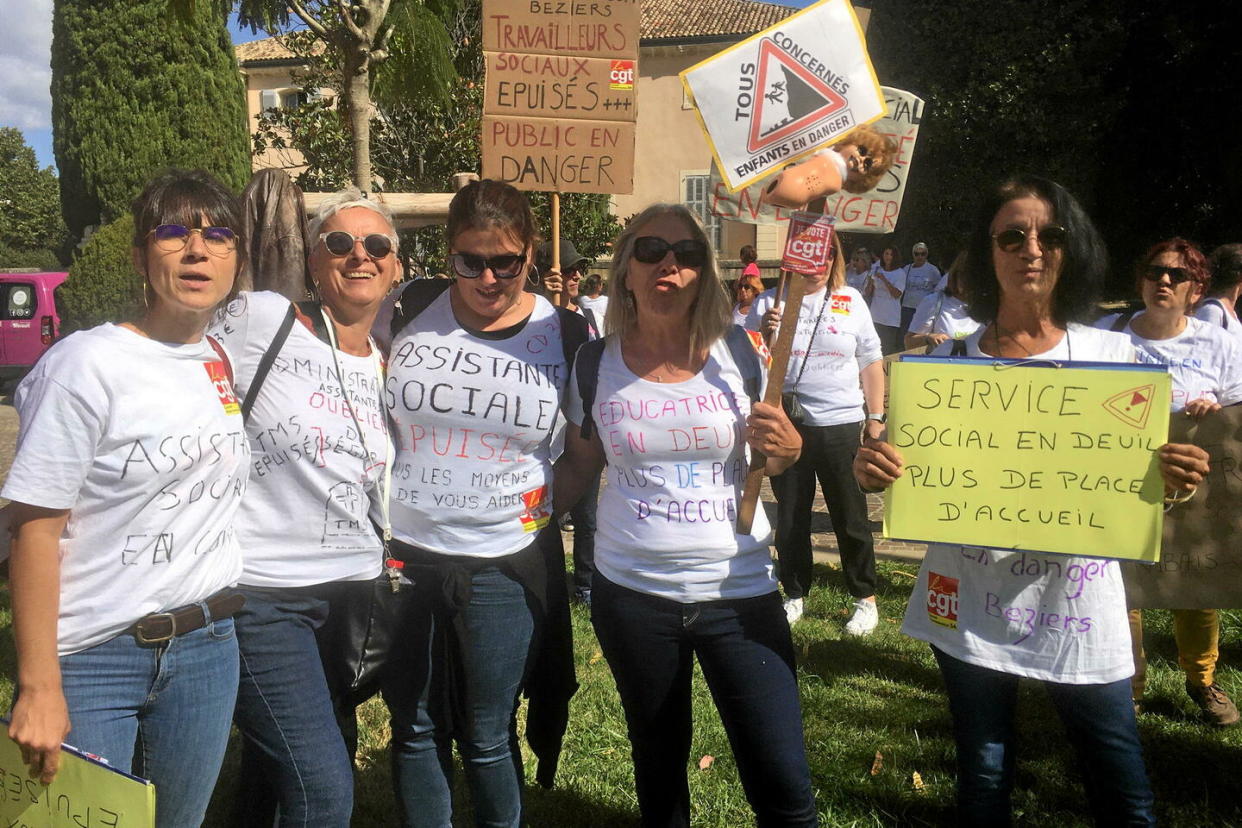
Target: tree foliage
(31, 229)
(136, 88)
(102, 285)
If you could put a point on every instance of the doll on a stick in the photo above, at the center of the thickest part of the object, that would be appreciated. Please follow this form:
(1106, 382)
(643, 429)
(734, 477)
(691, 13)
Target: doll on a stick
(856, 163)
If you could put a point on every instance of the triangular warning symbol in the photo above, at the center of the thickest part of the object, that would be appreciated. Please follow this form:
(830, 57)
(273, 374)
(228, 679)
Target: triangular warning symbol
(1131, 406)
(789, 98)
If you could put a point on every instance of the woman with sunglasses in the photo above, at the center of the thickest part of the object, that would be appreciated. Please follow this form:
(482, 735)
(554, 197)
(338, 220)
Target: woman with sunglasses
(475, 384)
(749, 286)
(131, 462)
(317, 424)
(1205, 363)
(672, 415)
(1034, 265)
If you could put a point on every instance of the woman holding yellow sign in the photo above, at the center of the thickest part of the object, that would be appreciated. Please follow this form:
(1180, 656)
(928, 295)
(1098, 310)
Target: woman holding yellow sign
(991, 616)
(1205, 362)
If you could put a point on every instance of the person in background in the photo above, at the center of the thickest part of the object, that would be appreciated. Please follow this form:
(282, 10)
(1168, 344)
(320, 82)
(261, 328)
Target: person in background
(750, 261)
(922, 278)
(681, 584)
(836, 373)
(1034, 267)
(747, 288)
(566, 277)
(943, 314)
(888, 281)
(131, 462)
(1219, 304)
(1206, 365)
(858, 272)
(591, 296)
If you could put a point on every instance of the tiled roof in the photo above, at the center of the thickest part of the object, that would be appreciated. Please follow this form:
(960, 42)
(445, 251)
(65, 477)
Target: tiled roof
(662, 20)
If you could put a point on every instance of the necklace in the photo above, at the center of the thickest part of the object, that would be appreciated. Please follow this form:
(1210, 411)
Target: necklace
(996, 338)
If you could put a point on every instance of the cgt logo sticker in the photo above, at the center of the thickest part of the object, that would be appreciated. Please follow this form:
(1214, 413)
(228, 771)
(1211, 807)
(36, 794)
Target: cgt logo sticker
(942, 600)
(621, 75)
(224, 389)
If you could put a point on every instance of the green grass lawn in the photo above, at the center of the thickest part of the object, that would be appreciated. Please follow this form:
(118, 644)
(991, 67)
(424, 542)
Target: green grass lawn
(880, 694)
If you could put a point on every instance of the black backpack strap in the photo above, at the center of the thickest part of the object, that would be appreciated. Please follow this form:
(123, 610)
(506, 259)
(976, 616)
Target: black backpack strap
(415, 298)
(588, 359)
(1224, 312)
(265, 364)
(742, 349)
(574, 334)
(592, 322)
(1119, 324)
(959, 348)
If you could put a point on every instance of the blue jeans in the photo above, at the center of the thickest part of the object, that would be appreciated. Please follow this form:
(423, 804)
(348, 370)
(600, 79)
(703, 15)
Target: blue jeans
(501, 629)
(1098, 719)
(161, 712)
(293, 755)
(747, 658)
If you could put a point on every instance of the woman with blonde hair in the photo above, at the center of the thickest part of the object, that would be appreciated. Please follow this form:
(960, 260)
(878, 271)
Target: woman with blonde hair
(667, 400)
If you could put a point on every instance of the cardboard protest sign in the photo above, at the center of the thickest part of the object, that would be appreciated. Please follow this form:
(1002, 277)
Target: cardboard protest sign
(808, 246)
(875, 211)
(559, 101)
(782, 94)
(85, 792)
(1007, 455)
(1200, 565)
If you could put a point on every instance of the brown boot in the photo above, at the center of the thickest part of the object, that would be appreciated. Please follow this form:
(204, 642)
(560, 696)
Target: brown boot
(1217, 707)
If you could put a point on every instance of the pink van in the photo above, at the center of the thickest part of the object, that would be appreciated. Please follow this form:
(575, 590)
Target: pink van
(29, 323)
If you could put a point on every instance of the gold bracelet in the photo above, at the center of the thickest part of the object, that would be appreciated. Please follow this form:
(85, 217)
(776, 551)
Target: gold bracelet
(1174, 499)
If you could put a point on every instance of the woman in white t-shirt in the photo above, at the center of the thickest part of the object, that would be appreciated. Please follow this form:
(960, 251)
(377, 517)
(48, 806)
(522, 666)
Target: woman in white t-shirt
(131, 461)
(476, 373)
(1219, 305)
(317, 425)
(1034, 265)
(888, 282)
(1206, 365)
(671, 413)
(942, 315)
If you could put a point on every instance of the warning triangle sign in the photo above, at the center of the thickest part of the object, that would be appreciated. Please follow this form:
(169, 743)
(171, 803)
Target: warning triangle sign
(1131, 406)
(789, 98)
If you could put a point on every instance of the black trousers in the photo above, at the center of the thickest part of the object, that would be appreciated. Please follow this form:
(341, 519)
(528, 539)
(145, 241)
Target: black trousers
(827, 456)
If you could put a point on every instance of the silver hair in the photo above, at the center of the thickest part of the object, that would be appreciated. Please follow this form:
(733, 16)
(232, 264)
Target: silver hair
(344, 200)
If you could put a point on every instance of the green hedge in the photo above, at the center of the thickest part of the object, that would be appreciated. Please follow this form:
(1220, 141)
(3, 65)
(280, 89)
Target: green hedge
(41, 259)
(102, 285)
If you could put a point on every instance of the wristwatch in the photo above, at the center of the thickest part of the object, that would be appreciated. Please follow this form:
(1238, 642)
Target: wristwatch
(879, 418)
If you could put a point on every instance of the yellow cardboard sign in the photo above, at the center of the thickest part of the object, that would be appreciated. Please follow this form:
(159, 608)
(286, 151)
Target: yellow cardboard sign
(84, 793)
(1041, 458)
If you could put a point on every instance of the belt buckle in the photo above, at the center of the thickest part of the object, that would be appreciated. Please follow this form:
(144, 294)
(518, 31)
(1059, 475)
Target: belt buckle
(159, 639)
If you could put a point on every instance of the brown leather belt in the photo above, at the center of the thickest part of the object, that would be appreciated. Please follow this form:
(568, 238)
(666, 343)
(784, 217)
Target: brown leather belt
(159, 627)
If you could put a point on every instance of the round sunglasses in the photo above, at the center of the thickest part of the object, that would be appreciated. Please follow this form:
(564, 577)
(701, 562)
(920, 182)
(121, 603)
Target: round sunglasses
(170, 238)
(1052, 237)
(340, 243)
(471, 266)
(687, 252)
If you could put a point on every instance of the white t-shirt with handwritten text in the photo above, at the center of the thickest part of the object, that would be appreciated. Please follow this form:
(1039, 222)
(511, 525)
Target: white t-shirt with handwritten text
(885, 307)
(313, 482)
(845, 343)
(142, 442)
(935, 315)
(677, 460)
(473, 418)
(1205, 362)
(1051, 617)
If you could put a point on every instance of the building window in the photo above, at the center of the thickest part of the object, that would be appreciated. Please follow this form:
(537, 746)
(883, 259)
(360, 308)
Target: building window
(281, 98)
(697, 189)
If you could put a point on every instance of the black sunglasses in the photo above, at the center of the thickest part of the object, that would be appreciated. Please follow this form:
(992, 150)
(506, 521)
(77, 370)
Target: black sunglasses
(470, 266)
(1177, 275)
(1053, 237)
(687, 252)
(340, 243)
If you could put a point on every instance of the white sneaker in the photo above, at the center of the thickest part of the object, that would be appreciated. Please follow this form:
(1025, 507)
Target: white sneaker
(793, 610)
(866, 618)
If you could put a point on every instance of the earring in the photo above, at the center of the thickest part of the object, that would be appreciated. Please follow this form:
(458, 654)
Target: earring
(533, 276)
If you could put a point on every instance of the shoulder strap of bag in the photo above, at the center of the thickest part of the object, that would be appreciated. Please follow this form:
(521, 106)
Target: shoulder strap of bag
(265, 364)
(811, 342)
(1224, 312)
(588, 359)
(1119, 324)
(415, 298)
(574, 334)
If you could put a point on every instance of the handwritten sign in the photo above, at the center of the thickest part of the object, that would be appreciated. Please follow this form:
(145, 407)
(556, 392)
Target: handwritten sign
(85, 793)
(560, 95)
(782, 94)
(1012, 456)
(875, 211)
(1200, 564)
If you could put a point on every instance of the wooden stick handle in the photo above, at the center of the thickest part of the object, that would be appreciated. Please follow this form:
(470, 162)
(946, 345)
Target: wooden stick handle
(559, 297)
(772, 395)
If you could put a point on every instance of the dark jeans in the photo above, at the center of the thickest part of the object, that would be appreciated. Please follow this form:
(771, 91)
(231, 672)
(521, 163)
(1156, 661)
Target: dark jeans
(747, 658)
(502, 631)
(907, 316)
(827, 455)
(1098, 718)
(583, 516)
(294, 758)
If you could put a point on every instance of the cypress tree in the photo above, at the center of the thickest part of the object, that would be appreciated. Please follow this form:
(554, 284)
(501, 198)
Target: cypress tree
(137, 87)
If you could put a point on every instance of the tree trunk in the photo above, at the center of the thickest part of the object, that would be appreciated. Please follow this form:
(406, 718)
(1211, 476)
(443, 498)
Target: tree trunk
(358, 92)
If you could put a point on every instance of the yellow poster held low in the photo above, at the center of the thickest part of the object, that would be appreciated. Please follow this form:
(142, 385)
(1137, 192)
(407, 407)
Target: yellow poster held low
(1033, 456)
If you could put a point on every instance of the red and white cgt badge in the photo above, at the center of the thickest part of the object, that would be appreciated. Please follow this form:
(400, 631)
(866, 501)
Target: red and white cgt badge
(219, 376)
(538, 511)
(942, 600)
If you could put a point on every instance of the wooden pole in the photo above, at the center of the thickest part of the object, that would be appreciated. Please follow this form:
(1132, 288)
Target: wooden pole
(560, 297)
(772, 395)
